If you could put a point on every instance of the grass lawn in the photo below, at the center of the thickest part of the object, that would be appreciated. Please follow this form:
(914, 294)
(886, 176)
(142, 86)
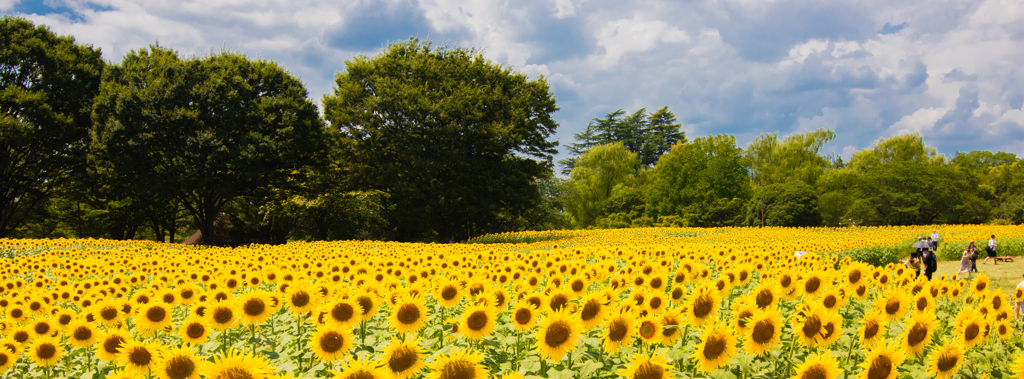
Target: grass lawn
(1003, 275)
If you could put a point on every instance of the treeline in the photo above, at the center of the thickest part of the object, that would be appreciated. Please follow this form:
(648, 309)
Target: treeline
(773, 181)
(417, 143)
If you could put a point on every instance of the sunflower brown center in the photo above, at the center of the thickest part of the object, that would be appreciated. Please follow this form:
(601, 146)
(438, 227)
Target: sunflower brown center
(816, 371)
(108, 313)
(139, 356)
(64, 319)
(3, 359)
(82, 333)
(460, 369)
(647, 329)
(21, 336)
(764, 331)
(741, 318)
(854, 276)
(577, 285)
(46, 351)
(830, 301)
(677, 293)
(366, 303)
(195, 330)
(112, 344)
(947, 362)
(254, 307)
(168, 298)
(41, 328)
(180, 367)
(223, 315)
(655, 303)
(714, 346)
(764, 298)
(812, 325)
(331, 341)
(402, 359)
(892, 306)
(558, 301)
(812, 284)
(557, 334)
(523, 316)
(922, 303)
(917, 334)
(477, 320)
(17, 313)
(342, 312)
(648, 370)
(657, 283)
(408, 313)
(590, 310)
(880, 368)
(997, 302)
(449, 292)
(235, 373)
(702, 306)
(156, 314)
(971, 332)
(870, 330)
(300, 299)
(617, 330)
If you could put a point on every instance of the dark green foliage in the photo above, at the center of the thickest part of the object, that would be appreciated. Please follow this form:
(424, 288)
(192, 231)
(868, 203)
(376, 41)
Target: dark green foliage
(456, 141)
(793, 203)
(704, 182)
(202, 132)
(47, 84)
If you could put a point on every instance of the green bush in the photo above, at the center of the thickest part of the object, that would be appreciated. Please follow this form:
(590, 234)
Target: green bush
(878, 255)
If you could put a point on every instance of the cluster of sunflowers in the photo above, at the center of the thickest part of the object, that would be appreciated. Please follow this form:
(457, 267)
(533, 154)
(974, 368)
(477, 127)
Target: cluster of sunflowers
(655, 304)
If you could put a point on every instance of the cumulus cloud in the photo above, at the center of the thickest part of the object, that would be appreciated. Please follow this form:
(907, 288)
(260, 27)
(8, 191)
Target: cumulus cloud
(948, 69)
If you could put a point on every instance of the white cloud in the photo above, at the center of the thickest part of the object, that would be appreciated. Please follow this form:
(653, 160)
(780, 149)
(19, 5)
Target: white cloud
(635, 34)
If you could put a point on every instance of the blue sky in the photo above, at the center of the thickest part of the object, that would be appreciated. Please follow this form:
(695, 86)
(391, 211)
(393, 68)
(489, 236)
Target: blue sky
(948, 69)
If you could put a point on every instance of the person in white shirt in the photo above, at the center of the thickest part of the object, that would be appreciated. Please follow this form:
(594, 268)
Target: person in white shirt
(935, 239)
(991, 250)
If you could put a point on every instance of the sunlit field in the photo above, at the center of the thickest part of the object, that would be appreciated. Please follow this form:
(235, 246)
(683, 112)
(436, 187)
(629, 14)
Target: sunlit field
(640, 303)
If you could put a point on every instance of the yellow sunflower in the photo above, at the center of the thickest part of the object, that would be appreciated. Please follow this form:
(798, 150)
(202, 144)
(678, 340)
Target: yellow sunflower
(558, 334)
(918, 333)
(458, 364)
(649, 329)
(232, 365)
(81, 333)
(478, 321)
(110, 344)
(524, 317)
(193, 331)
(970, 329)
(716, 348)
(344, 312)
(45, 352)
(221, 316)
(330, 342)
(873, 328)
(409, 314)
(301, 297)
(7, 360)
(881, 362)
(701, 306)
(593, 310)
(402, 359)
(808, 324)
(818, 366)
(140, 357)
(893, 305)
(643, 367)
(448, 293)
(153, 316)
(180, 363)
(360, 368)
(619, 332)
(764, 332)
(253, 307)
(670, 321)
(946, 360)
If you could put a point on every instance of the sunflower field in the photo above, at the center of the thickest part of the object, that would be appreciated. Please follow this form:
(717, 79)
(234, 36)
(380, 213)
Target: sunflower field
(639, 303)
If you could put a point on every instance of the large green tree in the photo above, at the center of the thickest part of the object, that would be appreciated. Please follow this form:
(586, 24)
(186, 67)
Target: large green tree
(705, 182)
(47, 84)
(202, 131)
(600, 173)
(797, 157)
(456, 141)
(793, 203)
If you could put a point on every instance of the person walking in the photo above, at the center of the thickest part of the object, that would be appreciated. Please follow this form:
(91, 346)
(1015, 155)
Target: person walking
(930, 265)
(935, 239)
(914, 263)
(974, 256)
(965, 264)
(991, 250)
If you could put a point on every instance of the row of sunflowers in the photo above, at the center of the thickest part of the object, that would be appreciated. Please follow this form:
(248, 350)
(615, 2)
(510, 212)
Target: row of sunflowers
(644, 303)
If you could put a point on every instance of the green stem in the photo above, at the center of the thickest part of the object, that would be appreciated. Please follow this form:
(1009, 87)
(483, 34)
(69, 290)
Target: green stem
(253, 328)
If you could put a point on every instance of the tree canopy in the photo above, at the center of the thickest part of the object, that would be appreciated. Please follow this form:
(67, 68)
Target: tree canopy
(202, 131)
(458, 142)
(47, 84)
(648, 135)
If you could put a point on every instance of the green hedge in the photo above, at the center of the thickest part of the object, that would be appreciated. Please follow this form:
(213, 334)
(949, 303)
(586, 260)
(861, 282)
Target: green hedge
(953, 251)
(879, 255)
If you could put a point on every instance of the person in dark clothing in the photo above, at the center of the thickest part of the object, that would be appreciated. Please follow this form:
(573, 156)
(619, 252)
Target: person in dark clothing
(930, 264)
